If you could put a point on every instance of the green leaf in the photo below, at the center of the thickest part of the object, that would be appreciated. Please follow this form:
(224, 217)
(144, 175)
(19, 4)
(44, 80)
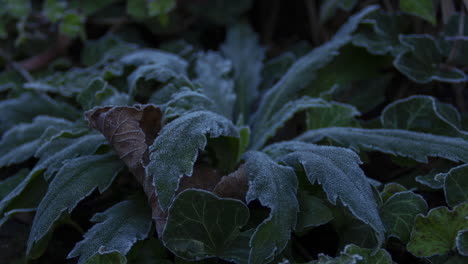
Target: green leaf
(54, 10)
(420, 8)
(75, 181)
(201, 225)
(382, 37)
(148, 251)
(21, 142)
(275, 186)
(174, 152)
(109, 258)
(423, 61)
(456, 185)
(435, 233)
(302, 72)
(399, 211)
(423, 114)
(390, 189)
(212, 70)
(433, 180)
(313, 212)
(116, 230)
(160, 7)
(417, 146)
(342, 259)
(153, 65)
(333, 115)
(337, 171)
(262, 133)
(98, 93)
(243, 49)
(28, 106)
(275, 68)
(368, 255)
(55, 152)
(137, 9)
(9, 184)
(72, 25)
(462, 242)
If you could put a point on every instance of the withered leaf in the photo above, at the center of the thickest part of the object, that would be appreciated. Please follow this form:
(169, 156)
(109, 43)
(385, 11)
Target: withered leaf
(234, 185)
(130, 130)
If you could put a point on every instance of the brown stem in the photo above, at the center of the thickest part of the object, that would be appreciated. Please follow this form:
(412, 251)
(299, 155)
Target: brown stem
(43, 59)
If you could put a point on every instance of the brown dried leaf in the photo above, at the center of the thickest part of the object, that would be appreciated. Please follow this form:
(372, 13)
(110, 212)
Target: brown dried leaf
(234, 185)
(131, 130)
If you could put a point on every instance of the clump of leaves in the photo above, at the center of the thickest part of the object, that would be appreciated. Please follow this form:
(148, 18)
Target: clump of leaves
(193, 157)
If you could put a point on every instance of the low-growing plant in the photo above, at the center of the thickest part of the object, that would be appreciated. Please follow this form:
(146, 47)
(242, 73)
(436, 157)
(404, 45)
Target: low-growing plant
(180, 154)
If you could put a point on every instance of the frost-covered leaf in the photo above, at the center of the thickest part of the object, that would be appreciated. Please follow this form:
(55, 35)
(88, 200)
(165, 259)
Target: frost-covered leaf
(212, 71)
(399, 211)
(420, 8)
(201, 225)
(72, 183)
(313, 212)
(333, 115)
(368, 255)
(186, 101)
(435, 233)
(275, 68)
(21, 142)
(423, 114)
(148, 251)
(382, 38)
(462, 242)
(337, 171)
(275, 186)
(28, 106)
(174, 152)
(423, 61)
(55, 152)
(261, 134)
(398, 142)
(154, 65)
(98, 93)
(303, 71)
(432, 180)
(456, 185)
(342, 259)
(243, 49)
(116, 230)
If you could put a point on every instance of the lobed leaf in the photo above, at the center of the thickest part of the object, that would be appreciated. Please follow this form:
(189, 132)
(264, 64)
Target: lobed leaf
(417, 146)
(302, 72)
(423, 60)
(21, 142)
(9, 184)
(337, 170)
(174, 152)
(435, 233)
(186, 101)
(275, 186)
(423, 114)
(116, 230)
(368, 255)
(243, 49)
(456, 185)
(73, 182)
(399, 211)
(200, 225)
(98, 93)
